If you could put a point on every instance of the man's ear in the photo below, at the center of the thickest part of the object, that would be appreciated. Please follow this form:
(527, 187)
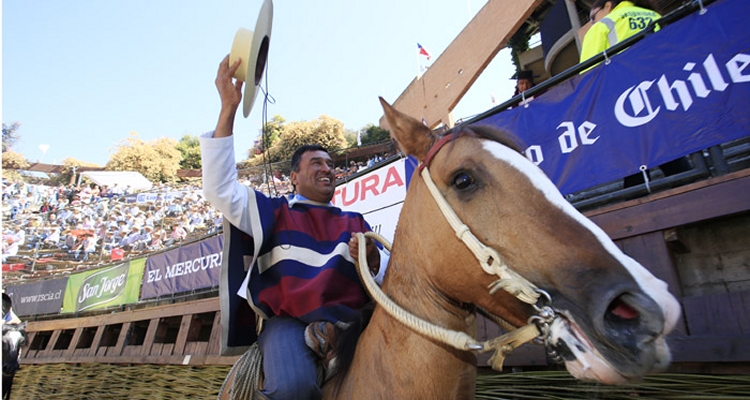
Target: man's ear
(607, 7)
(293, 179)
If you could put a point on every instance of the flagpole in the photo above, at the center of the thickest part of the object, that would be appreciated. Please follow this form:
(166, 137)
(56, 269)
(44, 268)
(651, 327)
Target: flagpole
(419, 66)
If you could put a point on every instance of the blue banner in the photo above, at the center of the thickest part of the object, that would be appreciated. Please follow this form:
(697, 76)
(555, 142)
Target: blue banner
(191, 267)
(677, 91)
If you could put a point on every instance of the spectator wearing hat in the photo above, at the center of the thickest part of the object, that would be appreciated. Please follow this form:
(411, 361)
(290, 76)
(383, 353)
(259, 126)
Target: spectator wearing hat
(130, 241)
(524, 82)
(110, 240)
(158, 236)
(122, 227)
(145, 239)
(68, 240)
(87, 245)
(53, 235)
(174, 209)
(177, 235)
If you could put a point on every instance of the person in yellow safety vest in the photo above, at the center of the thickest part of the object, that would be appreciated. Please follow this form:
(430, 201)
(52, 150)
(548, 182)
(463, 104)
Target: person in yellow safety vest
(614, 21)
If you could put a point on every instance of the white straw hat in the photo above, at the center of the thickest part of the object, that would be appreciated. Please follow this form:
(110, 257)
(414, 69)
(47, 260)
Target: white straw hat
(252, 48)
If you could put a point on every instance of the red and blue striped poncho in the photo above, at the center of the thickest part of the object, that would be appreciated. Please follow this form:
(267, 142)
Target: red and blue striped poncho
(301, 265)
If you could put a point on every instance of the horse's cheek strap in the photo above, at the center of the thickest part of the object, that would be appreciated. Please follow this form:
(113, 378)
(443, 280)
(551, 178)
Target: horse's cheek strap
(502, 345)
(488, 258)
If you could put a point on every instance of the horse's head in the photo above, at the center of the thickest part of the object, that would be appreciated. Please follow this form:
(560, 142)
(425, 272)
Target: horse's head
(611, 315)
(14, 338)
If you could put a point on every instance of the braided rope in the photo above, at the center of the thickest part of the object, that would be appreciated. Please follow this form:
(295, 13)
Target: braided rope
(502, 345)
(459, 340)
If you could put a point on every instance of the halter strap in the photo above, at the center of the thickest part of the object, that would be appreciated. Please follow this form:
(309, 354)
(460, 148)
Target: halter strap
(501, 345)
(489, 259)
(435, 148)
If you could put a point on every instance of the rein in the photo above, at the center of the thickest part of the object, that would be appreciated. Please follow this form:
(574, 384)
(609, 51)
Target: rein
(490, 262)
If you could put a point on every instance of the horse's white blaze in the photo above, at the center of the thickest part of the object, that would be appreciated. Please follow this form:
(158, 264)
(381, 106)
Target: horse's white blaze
(650, 285)
(13, 338)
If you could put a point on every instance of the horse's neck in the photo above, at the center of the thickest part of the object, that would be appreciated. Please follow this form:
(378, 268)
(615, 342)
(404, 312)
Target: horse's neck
(395, 361)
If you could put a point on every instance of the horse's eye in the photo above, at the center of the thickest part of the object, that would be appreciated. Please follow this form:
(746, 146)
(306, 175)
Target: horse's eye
(463, 181)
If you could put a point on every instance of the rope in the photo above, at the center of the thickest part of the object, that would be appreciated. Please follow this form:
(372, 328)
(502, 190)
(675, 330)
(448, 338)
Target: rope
(502, 345)
(247, 371)
(459, 340)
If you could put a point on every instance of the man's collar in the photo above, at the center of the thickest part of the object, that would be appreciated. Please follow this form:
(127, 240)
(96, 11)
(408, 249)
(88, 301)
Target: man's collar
(298, 198)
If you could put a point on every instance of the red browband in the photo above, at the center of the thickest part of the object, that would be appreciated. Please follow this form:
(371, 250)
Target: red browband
(434, 149)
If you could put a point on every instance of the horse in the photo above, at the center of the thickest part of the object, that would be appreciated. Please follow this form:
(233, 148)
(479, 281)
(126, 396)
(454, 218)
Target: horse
(483, 229)
(14, 338)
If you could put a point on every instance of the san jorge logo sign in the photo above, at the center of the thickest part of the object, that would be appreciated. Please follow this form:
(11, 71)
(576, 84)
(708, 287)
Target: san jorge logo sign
(102, 287)
(109, 286)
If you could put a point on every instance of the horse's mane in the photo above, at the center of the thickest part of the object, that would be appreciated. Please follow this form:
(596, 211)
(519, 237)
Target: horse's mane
(347, 343)
(503, 137)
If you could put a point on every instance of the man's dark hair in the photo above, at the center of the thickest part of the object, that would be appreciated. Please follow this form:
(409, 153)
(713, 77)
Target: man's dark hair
(302, 150)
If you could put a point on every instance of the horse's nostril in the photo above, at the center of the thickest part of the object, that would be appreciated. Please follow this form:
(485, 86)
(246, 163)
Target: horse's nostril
(622, 310)
(633, 320)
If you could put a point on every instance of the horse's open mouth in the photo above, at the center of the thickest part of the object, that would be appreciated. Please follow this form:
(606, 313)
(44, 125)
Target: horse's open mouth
(581, 358)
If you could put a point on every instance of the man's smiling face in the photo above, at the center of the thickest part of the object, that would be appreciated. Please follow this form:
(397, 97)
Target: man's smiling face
(315, 177)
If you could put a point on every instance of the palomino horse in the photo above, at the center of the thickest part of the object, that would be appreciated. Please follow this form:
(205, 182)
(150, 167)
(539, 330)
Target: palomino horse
(611, 315)
(479, 217)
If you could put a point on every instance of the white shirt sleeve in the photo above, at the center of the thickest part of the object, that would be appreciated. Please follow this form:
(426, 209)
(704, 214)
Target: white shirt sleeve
(220, 184)
(385, 256)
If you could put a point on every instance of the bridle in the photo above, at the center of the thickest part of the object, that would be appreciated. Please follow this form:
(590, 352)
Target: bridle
(538, 325)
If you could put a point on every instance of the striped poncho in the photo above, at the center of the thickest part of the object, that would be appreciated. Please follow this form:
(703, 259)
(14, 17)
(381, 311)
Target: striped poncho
(295, 262)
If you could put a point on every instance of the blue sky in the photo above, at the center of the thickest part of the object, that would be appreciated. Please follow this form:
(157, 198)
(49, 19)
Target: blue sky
(81, 75)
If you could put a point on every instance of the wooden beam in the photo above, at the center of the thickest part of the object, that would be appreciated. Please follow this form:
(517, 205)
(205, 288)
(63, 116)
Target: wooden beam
(192, 307)
(148, 341)
(696, 202)
(435, 95)
(74, 341)
(182, 335)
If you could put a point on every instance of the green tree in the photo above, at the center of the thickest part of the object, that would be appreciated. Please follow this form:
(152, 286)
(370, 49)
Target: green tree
(189, 147)
(372, 134)
(351, 138)
(325, 131)
(10, 135)
(12, 162)
(273, 129)
(157, 160)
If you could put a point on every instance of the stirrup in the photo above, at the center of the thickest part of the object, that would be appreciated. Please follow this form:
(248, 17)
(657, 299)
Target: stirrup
(321, 337)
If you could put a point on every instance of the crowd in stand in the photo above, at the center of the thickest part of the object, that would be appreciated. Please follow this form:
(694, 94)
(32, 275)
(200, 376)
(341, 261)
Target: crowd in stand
(76, 222)
(355, 167)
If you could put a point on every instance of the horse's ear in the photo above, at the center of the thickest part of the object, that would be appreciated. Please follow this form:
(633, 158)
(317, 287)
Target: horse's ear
(411, 136)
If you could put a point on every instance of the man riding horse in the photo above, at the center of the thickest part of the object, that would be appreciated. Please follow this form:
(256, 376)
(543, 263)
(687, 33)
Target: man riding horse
(302, 280)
